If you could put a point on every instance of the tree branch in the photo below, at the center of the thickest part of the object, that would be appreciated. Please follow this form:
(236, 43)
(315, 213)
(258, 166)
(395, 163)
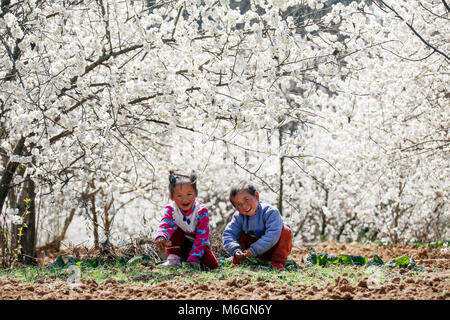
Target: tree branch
(446, 5)
(414, 30)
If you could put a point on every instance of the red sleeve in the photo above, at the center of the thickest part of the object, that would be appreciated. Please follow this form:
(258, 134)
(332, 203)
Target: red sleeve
(167, 226)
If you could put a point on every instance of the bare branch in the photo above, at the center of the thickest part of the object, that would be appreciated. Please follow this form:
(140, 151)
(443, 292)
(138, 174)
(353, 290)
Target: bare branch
(414, 30)
(446, 5)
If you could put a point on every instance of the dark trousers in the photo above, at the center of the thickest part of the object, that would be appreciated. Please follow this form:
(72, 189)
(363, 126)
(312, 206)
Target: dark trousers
(181, 246)
(277, 254)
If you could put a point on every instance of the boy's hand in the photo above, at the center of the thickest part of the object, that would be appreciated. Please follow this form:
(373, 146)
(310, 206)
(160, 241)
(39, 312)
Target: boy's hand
(162, 243)
(249, 254)
(240, 255)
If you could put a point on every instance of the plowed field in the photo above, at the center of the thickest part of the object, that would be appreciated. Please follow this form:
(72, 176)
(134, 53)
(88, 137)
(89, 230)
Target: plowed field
(399, 284)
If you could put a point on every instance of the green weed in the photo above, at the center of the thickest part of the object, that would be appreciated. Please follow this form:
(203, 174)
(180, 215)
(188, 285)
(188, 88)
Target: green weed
(142, 274)
(319, 269)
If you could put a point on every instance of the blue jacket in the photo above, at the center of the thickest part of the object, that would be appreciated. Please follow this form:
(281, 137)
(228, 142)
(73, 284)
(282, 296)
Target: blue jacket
(265, 226)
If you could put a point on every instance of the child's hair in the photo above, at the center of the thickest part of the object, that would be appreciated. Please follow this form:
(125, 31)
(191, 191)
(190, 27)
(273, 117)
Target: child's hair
(242, 185)
(177, 178)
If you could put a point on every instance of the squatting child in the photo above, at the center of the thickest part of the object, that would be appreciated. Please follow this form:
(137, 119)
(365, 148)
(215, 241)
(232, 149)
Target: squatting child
(257, 229)
(184, 229)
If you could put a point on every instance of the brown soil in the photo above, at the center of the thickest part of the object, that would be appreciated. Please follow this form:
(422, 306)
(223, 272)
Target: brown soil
(433, 284)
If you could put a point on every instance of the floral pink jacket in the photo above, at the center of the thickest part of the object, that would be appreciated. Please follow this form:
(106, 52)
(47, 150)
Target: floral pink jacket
(194, 223)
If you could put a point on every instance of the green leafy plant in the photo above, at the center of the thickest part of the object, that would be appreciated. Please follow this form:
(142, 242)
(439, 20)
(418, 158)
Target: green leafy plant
(402, 262)
(258, 262)
(376, 261)
(62, 261)
(225, 262)
(431, 244)
(323, 259)
(291, 265)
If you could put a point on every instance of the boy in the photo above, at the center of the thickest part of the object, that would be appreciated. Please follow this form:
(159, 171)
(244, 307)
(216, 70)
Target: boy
(256, 229)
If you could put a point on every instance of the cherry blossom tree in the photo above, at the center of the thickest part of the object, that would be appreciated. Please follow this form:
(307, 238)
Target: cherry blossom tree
(99, 99)
(387, 125)
(85, 82)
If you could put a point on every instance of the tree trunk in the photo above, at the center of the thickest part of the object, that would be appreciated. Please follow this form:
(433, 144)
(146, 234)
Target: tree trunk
(55, 245)
(66, 226)
(324, 217)
(342, 227)
(8, 173)
(95, 222)
(29, 239)
(280, 196)
(108, 220)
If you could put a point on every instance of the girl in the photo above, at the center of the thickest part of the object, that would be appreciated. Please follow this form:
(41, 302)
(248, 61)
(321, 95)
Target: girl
(184, 230)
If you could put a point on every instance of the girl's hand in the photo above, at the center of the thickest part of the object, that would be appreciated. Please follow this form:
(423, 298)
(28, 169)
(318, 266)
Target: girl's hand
(162, 243)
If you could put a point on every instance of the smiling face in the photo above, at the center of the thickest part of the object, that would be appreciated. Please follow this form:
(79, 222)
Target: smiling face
(245, 202)
(184, 196)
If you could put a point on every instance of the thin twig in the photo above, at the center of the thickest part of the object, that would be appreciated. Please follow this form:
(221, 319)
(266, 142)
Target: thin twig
(414, 30)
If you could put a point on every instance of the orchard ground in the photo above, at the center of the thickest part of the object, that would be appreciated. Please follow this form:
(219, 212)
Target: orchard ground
(146, 281)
